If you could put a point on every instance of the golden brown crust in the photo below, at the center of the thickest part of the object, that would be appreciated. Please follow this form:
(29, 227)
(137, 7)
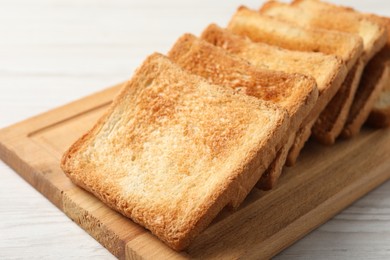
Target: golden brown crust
(159, 193)
(303, 135)
(270, 177)
(327, 70)
(316, 14)
(331, 121)
(372, 29)
(322, 15)
(348, 46)
(301, 138)
(262, 28)
(294, 92)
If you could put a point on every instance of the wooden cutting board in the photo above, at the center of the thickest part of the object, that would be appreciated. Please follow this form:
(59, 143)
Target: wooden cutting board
(325, 180)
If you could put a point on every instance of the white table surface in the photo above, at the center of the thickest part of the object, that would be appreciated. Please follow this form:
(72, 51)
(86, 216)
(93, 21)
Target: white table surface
(53, 52)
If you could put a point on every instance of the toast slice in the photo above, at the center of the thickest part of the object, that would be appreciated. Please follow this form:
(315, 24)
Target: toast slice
(308, 13)
(294, 92)
(173, 150)
(270, 177)
(367, 91)
(262, 28)
(332, 120)
(338, 115)
(270, 30)
(328, 71)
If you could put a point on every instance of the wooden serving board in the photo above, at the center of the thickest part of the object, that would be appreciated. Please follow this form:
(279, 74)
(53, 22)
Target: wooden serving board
(325, 180)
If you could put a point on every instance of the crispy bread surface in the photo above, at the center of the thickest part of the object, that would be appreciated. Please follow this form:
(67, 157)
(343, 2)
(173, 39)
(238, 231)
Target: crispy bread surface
(262, 28)
(306, 14)
(328, 71)
(173, 150)
(294, 92)
(372, 29)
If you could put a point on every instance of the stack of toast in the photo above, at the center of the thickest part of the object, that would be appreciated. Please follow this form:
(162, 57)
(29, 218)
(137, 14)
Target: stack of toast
(194, 131)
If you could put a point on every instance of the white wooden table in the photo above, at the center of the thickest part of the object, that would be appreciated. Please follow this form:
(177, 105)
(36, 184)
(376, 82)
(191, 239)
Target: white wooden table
(52, 52)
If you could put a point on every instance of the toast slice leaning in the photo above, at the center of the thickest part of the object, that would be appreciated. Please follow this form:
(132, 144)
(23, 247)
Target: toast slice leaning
(262, 28)
(173, 150)
(294, 92)
(303, 13)
(331, 122)
(328, 71)
(374, 40)
(333, 119)
(270, 30)
(270, 177)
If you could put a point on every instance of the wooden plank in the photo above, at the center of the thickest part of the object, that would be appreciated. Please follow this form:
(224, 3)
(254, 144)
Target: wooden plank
(325, 180)
(28, 150)
(108, 227)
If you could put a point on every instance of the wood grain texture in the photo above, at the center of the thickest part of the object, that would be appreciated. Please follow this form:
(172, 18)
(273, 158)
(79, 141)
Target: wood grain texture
(53, 52)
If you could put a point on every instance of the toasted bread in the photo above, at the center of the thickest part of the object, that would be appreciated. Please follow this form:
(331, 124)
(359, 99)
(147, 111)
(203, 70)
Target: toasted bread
(372, 28)
(270, 177)
(301, 138)
(348, 46)
(173, 150)
(332, 120)
(262, 28)
(328, 70)
(305, 13)
(338, 114)
(294, 92)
